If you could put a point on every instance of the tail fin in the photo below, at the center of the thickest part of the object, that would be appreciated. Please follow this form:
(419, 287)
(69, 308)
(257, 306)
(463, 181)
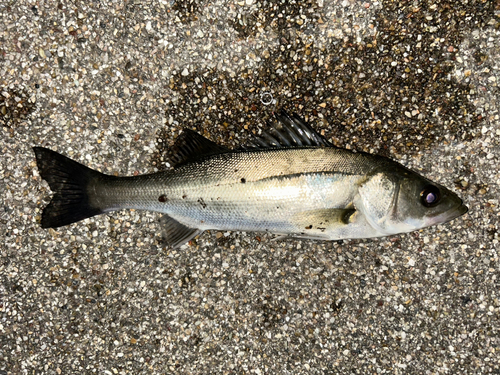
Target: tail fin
(69, 181)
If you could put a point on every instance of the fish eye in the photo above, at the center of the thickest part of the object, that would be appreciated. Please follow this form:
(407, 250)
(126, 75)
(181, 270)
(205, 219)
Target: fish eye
(430, 196)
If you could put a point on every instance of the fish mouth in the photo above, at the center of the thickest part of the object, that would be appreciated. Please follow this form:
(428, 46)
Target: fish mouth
(459, 211)
(463, 209)
(451, 214)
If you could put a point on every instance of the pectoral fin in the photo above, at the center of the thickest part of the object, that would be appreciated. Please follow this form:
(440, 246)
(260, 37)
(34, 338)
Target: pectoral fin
(175, 233)
(320, 223)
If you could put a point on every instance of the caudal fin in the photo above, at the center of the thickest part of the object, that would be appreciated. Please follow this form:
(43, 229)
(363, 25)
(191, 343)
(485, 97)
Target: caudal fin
(69, 181)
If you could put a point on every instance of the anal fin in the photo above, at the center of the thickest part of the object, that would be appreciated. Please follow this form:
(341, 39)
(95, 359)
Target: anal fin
(175, 233)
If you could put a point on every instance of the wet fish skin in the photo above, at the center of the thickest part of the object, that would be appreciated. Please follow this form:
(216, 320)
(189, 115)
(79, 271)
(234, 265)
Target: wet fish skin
(293, 183)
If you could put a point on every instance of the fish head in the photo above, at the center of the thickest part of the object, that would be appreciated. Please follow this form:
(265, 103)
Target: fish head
(398, 200)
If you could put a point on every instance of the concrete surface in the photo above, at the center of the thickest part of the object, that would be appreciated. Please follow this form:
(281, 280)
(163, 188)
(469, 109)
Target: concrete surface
(112, 83)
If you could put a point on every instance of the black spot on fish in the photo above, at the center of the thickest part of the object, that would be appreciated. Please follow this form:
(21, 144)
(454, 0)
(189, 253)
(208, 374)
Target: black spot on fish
(322, 229)
(243, 180)
(162, 198)
(309, 227)
(202, 202)
(184, 196)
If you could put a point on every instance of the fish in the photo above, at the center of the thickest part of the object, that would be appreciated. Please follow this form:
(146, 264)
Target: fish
(288, 181)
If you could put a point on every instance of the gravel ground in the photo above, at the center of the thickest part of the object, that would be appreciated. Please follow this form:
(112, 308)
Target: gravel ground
(112, 83)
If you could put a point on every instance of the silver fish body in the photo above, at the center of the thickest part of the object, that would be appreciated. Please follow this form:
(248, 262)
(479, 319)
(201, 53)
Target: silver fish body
(290, 184)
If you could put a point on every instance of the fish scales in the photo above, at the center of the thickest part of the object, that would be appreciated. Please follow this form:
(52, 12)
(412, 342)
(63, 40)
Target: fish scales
(257, 190)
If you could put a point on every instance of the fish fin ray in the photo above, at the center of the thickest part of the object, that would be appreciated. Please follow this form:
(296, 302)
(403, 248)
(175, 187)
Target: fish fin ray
(191, 146)
(68, 180)
(288, 131)
(316, 224)
(175, 233)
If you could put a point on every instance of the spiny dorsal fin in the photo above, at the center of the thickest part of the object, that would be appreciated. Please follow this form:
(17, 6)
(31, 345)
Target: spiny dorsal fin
(289, 131)
(191, 146)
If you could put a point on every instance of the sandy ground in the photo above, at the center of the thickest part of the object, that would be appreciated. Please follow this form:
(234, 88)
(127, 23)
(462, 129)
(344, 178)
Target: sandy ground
(112, 83)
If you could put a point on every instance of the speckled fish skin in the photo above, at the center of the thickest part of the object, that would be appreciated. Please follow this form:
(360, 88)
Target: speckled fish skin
(318, 192)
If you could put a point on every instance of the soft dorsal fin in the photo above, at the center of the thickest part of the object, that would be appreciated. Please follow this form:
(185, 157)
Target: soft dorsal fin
(191, 146)
(288, 131)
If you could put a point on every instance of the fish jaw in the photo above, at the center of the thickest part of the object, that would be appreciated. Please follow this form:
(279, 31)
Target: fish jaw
(450, 215)
(412, 224)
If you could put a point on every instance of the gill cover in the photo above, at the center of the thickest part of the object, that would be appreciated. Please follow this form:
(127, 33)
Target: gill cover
(376, 200)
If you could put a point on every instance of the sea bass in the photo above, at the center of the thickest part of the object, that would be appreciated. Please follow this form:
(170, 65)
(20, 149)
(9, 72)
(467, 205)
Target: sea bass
(290, 181)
